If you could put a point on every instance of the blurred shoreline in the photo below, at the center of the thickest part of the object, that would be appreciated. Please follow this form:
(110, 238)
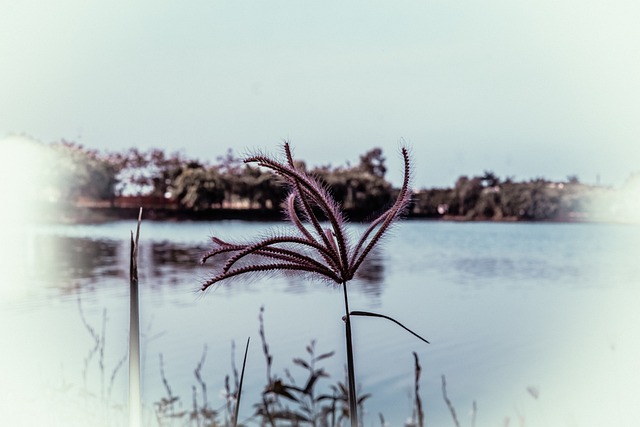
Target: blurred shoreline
(99, 212)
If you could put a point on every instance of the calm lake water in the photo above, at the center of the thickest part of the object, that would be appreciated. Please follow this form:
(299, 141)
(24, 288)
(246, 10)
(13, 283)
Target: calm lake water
(536, 323)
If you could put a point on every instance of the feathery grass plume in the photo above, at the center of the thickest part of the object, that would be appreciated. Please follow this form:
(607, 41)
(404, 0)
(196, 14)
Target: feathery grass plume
(325, 252)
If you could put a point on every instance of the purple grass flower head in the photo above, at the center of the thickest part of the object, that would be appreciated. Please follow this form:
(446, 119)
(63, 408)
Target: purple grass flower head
(325, 252)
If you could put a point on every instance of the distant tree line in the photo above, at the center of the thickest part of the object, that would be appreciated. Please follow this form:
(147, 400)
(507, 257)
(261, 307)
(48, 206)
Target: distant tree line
(488, 197)
(78, 173)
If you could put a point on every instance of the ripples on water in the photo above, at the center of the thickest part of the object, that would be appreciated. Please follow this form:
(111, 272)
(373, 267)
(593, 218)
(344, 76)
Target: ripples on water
(506, 307)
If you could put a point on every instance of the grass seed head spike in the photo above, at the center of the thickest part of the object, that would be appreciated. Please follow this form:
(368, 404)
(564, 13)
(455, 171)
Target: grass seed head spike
(326, 252)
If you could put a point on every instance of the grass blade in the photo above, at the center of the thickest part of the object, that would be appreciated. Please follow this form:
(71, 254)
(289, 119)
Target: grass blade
(244, 364)
(369, 314)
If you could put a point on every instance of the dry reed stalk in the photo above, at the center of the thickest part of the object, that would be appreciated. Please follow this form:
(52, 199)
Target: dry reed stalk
(448, 402)
(135, 403)
(418, 400)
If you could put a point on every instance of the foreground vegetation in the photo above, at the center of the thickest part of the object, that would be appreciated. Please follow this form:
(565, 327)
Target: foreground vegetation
(73, 176)
(303, 394)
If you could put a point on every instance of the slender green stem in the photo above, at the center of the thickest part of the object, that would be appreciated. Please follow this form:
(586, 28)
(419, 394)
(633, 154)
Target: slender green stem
(353, 401)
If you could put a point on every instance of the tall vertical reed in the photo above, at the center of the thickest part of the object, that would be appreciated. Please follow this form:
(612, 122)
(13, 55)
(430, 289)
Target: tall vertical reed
(311, 249)
(135, 406)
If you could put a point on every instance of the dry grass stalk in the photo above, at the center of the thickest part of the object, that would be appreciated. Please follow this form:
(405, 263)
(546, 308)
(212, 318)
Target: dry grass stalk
(419, 413)
(448, 402)
(135, 404)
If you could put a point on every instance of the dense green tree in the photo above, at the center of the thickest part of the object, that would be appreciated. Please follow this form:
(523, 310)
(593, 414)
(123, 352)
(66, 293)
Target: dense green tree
(250, 186)
(372, 162)
(432, 202)
(197, 187)
(362, 189)
(490, 179)
(261, 188)
(150, 172)
(356, 189)
(537, 199)
(466, 195)
(488, 205)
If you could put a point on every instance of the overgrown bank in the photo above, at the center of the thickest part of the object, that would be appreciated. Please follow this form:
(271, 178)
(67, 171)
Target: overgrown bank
(75, 184)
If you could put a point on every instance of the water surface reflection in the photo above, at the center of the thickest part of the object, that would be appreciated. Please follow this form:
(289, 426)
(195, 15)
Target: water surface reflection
(74, 264)
(506, 307)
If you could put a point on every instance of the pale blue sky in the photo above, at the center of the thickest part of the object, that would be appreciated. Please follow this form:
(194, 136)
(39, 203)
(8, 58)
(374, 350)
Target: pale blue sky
(523, 88)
